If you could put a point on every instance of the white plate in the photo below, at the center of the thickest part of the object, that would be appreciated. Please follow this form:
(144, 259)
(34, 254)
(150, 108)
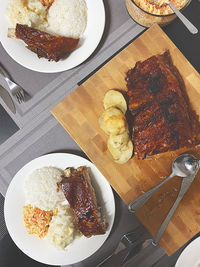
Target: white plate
(88, 43)
(40, 249)
(190, 257)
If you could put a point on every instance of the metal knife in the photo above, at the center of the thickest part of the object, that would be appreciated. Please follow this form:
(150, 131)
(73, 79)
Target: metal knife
(7, 99)
(135, 250)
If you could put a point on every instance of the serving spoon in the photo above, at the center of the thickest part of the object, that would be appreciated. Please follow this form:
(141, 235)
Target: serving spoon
(184, 165)
(138, 246)
(185, 21)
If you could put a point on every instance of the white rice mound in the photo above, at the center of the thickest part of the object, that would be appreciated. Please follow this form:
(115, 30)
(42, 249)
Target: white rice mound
(40, 188)
(62, 228)
(67, 18)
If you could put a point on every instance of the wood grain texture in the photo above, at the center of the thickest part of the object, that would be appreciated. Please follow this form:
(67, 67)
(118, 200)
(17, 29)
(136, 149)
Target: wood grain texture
(79, 112)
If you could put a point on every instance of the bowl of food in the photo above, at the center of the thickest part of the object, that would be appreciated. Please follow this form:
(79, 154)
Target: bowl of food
(148, 12)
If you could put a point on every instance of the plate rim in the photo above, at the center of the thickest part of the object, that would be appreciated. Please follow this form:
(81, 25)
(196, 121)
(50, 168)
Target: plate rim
(27, 165)
(184, 253)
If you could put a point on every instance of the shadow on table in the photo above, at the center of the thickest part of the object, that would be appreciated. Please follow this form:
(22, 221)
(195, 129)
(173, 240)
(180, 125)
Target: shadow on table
(10, 255)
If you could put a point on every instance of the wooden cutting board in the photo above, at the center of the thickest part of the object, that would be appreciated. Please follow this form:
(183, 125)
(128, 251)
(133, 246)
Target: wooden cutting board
(79, 112)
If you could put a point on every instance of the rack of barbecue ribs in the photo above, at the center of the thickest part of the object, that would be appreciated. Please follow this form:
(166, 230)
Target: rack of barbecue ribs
(45, 45)
(77, 188)
(162, 119)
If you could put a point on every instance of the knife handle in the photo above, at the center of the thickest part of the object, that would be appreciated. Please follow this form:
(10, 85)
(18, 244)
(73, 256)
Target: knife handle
(4, 72)
(184, 187)
(141, 200)
(136, 249)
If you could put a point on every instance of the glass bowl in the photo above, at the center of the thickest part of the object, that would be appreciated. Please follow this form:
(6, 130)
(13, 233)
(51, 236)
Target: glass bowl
(147, 19)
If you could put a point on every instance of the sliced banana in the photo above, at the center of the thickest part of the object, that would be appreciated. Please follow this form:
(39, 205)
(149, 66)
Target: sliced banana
(123, 154)
(118, 141)
(114, 98)
(115, 152)
(102, 124)
(126, 154)
(113, 121)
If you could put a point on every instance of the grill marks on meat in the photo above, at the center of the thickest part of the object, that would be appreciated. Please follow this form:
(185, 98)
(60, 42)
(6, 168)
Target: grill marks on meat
(44, 44)
(80, 194)
(47, 3)
(162, 119)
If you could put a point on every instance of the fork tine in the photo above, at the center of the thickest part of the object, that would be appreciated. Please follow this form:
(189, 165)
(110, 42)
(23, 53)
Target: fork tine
(18, 98)
(22, 93)
(21, 97)
(126, 241)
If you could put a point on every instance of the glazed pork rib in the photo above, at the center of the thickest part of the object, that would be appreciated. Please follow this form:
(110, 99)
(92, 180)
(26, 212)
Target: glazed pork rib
(47, 3)
(80, 194)
(162, 118)
(44, 44)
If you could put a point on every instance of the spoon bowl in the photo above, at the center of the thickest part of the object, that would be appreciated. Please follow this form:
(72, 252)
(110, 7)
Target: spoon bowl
(185, 165)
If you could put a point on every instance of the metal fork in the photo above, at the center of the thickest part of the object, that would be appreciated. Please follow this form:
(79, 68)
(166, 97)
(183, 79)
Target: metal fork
(140, 245)
(126, 241)
(16, 90)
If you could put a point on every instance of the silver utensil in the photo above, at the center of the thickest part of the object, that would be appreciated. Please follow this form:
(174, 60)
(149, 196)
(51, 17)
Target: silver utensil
(185, 21)
(7, 99)
(126, 241)
(187, 181)
(15, 89)
(182, 166)
(135, 250)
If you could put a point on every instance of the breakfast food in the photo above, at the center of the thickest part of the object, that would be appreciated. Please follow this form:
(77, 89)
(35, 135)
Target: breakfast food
(162, 117)
(36, 220)
(40, 188)
(44, 44)
(50, 28)
(62, 228)
(113, 122)
(78, 190)
(148, 12)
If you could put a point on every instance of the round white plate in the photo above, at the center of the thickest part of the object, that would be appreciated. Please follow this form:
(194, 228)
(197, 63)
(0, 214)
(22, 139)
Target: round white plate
(87, 44)
(190, 257)
(40, 249)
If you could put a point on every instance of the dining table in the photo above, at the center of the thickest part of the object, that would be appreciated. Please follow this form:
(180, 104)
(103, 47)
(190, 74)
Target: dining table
(33, 131)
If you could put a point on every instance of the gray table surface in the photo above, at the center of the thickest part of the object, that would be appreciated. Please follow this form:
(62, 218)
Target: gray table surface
(36, 132)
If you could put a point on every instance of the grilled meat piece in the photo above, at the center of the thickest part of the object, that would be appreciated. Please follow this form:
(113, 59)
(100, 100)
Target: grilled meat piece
(80, 194)
(44, 44)
(162, 118)
(47, 3)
